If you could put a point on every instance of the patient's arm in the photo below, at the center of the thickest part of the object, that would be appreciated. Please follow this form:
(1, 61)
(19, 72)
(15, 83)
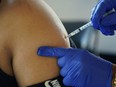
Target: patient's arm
(35, 27)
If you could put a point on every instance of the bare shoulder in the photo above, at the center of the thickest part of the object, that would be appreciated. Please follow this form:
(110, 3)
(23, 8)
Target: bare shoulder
(33, 26)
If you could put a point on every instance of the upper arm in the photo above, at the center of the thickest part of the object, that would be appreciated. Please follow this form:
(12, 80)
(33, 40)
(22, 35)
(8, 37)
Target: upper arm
(29, 68)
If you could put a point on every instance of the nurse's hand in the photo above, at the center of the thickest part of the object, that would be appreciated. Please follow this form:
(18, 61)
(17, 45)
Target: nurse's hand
(80, 68)
(107, 24)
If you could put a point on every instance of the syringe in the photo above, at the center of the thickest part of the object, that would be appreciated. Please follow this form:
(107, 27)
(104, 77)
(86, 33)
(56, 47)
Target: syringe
(89, 24)
(79, 29)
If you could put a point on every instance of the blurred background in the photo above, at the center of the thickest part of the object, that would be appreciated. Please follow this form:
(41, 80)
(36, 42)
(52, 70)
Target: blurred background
(75, 13)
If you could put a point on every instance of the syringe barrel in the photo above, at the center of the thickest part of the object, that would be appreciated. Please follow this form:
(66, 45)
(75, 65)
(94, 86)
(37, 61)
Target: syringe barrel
(80, 29)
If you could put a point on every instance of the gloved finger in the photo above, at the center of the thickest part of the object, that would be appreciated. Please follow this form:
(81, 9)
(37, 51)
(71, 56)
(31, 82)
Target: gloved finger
(106, 30)
(72, 76)
(98, 14)
(63, 72)
(109, 19)
(70, 64)
(94, 9)
(67, 81)
(52, 51)
(66, 69)
(95, 26)
(62, 61)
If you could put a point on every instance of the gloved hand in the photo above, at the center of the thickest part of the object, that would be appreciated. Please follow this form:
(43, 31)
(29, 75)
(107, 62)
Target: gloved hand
(79, 67)
(106, 24)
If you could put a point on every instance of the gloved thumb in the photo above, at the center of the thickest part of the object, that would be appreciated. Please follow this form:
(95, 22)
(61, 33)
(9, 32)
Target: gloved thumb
(51, 51)
(109, 20)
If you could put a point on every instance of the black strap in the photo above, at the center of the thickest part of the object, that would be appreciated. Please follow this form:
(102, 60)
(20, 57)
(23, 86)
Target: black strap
(55, 82)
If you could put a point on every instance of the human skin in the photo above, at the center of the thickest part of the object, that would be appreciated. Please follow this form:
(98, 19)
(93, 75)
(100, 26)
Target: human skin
(25, 25)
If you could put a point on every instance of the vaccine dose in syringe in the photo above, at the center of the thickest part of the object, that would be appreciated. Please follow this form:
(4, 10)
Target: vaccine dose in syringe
(79, 29)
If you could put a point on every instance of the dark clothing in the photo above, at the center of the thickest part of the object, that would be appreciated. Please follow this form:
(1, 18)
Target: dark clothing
(6, 80)
(55, 82)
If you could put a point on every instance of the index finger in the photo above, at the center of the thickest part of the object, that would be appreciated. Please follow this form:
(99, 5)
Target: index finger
(52, 51)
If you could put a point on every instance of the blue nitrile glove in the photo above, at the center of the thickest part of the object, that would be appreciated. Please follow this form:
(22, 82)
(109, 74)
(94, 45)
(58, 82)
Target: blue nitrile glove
(106, 24)
(79, 67)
